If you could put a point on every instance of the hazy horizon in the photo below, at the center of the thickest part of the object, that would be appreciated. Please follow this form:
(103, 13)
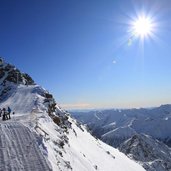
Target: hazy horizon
(70, 109)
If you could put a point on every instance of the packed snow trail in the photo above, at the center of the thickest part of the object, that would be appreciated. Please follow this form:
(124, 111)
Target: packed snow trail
(19, 150)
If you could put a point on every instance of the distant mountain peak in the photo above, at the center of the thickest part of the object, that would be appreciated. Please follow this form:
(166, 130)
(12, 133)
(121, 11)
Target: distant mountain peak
(150, 152)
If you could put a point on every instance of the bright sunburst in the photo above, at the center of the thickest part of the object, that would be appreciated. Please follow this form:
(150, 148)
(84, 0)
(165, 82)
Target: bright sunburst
(142, 26)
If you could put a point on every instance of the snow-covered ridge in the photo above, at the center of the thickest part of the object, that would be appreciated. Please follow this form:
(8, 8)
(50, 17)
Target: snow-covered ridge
(64, 142)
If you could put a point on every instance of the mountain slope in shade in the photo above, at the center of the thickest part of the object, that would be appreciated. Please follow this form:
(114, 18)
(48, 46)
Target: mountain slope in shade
(113, 137)
(153, 155)
(154, 122)
(64, 142)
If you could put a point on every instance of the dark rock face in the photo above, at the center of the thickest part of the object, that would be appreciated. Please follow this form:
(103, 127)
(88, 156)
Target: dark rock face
(2, 73)
(58, 116)
(47, 95)
(11, 74)
(29, 80)
(15, 76)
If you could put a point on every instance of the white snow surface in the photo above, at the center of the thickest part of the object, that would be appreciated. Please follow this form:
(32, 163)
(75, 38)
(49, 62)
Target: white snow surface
(19, 150)
(74, 149)
(89, 152)
(25, 99)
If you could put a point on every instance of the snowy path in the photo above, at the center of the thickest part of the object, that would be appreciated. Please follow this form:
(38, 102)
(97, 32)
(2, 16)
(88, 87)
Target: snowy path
(18, 149)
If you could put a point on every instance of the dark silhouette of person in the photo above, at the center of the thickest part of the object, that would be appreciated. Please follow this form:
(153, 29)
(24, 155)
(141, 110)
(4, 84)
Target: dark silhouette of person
(9, 112)
(0, 112)
(4, 114)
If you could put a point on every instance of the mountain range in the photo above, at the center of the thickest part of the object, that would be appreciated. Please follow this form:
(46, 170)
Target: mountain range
(142, 134)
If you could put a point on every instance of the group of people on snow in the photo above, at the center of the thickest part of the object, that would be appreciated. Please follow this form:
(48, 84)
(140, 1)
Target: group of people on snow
(5, 113)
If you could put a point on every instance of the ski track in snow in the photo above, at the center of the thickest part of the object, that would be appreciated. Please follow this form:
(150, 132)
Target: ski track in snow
(19, 150)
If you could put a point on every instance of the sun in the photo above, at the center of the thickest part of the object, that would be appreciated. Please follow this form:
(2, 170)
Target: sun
(142, 26)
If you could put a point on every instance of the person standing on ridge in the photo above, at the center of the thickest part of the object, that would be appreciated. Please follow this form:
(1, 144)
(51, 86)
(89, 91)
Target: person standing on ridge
(9, 112)
(4, 114)
(0, 112)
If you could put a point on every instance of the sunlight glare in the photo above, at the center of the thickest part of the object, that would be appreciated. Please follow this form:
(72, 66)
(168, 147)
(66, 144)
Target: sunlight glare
(142, 27)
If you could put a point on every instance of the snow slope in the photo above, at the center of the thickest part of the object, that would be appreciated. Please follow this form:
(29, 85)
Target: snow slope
(62, 141)
(96, 153)
(81, 151)
(24, 99)
(19, 150)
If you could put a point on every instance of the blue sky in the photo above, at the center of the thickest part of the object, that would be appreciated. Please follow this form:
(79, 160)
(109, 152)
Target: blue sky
(80, 50)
